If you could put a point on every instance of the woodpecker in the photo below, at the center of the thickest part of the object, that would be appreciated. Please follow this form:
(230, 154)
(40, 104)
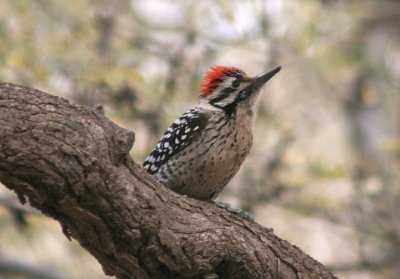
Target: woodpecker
(205, 147)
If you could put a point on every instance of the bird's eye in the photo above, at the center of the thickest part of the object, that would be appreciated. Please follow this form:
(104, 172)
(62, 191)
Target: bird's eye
(235, 83)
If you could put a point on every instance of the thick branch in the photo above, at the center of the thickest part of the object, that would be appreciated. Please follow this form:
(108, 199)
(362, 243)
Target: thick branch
(73, 164)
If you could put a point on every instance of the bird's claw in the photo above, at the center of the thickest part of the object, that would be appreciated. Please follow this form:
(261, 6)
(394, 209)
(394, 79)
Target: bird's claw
(242, 213)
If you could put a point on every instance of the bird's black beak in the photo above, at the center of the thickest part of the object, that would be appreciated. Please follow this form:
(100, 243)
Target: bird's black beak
(261, 80)
(256, 83)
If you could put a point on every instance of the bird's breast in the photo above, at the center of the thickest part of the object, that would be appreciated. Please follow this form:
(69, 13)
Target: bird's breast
(204, 168)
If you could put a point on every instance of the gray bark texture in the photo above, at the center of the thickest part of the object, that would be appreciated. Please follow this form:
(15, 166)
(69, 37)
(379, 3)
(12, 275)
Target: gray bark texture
(73, 164)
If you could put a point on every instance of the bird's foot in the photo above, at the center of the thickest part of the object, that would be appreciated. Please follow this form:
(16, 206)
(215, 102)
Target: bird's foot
(242, 213)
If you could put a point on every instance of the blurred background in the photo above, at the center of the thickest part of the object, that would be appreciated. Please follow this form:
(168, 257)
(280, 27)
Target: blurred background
(324, 171)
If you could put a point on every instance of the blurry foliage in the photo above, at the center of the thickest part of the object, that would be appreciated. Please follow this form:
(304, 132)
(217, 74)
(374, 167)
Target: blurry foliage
(327, 146)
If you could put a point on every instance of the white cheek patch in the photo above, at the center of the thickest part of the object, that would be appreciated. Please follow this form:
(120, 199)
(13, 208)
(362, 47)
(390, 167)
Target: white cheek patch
(228, 100)
(231, 97)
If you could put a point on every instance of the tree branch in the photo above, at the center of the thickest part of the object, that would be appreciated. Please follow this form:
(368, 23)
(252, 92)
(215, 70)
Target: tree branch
(73, 164)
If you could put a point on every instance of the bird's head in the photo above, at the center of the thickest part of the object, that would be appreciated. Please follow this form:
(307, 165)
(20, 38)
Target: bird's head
(228, 87)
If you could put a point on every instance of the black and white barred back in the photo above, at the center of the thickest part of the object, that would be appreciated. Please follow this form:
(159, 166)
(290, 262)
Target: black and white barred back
(179, 135)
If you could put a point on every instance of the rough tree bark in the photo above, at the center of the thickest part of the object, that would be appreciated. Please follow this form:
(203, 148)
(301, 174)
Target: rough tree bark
(73, 164)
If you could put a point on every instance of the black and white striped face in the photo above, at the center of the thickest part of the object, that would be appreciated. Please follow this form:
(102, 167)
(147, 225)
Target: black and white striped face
(227, 87)
(228, 90)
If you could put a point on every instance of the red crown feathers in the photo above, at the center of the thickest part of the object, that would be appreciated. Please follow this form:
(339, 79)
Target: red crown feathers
(213, 77)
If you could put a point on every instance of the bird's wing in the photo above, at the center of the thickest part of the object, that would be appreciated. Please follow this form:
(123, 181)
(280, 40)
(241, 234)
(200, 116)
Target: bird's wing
(179, 135)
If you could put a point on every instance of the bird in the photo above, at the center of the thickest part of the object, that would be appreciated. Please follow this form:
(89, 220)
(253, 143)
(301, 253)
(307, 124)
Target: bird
(204, 148)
